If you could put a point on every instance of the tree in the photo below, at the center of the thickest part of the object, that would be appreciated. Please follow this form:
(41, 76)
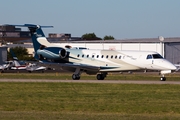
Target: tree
(90, 36)
(108, 37)
(20, 52)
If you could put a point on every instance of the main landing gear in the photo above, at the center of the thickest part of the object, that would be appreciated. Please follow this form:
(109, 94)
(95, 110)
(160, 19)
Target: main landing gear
(77, 74)
(101, 76)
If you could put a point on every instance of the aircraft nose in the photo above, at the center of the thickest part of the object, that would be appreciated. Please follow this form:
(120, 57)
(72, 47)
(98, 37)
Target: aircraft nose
(172, 67)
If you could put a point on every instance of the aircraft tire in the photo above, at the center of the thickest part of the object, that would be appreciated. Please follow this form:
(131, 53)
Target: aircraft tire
(163, 78)
(100, 77)
(75, 77)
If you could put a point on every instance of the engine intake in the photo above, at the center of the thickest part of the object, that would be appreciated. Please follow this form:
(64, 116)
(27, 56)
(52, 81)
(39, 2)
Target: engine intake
(62, 53)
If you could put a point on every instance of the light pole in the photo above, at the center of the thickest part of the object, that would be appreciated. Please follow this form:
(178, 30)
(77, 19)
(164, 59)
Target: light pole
(161, 39)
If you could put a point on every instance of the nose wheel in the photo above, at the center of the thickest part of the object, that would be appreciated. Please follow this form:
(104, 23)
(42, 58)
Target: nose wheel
(163, 78)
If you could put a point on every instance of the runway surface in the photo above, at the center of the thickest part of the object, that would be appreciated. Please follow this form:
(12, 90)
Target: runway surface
(92, 81)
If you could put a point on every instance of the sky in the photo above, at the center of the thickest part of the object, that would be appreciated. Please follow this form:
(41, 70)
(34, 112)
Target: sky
(122, 19)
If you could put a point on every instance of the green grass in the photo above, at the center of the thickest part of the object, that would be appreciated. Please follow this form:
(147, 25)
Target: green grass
(110, 76)
(88, 101)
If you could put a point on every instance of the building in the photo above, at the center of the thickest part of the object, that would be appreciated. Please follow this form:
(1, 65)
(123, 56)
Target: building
(168, 48)
(12, 34)
(3, 54)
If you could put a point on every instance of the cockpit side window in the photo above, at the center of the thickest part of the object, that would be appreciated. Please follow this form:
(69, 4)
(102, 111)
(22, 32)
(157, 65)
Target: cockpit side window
(149, 57)
(154, 56)
(157, 56)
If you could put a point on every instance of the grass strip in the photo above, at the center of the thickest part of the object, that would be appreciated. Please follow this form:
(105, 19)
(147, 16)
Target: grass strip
(88, 101)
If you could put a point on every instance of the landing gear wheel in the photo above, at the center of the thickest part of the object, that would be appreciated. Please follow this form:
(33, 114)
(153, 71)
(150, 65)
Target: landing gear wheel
(163, 79)
(75, 77)
(100, 77)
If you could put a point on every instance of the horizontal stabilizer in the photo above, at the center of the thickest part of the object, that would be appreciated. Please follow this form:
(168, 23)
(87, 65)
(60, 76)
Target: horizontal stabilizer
(30, 25)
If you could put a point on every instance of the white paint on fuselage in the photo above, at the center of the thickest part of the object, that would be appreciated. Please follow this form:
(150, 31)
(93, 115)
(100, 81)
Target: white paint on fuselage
(125, 60)
(130, 60)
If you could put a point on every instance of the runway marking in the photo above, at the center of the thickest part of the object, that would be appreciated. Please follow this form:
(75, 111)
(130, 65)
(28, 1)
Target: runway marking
(92, 81)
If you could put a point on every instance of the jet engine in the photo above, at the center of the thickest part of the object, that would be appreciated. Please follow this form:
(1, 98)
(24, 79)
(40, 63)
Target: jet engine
(52, 53)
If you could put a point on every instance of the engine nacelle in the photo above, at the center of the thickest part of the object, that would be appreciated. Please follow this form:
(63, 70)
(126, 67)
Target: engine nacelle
(52, 53)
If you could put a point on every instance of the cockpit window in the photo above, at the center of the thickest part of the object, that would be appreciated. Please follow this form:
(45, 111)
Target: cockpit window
(157, 56)
(149, 57)
(154, 56)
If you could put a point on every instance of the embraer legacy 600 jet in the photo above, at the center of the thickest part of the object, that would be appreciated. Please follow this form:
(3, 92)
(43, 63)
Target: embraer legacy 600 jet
(98, 62)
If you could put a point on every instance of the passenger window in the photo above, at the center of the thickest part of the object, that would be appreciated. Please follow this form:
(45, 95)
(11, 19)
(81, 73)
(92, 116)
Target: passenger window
(149, 57)
(82, 55)
(111, 56)
(107, 56)
(119, 57)
(102, 56)
(87, 56)
(97, 56)
(92, 56)
(116, 57)
(78, 55)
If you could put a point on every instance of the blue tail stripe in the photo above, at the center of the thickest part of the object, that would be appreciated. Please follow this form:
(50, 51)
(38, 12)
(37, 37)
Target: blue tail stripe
(36, 32)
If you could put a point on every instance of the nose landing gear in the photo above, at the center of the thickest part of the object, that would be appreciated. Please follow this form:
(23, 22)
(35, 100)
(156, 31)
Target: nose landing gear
(163, 72)
(163, 78)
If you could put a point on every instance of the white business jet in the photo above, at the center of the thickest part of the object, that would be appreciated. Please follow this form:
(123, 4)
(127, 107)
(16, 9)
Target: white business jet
(98, 62)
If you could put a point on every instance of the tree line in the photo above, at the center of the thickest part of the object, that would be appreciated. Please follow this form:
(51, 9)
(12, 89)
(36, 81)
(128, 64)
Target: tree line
(20, 52)
(92, 36)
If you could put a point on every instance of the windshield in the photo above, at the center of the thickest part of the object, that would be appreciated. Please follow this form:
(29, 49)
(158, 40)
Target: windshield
(157, 56)
(154, 56)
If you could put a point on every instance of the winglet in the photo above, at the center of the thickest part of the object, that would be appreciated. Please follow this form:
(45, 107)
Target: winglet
(29, 25)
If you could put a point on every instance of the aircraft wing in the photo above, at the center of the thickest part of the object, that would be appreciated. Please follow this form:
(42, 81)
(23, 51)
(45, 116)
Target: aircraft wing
(72, 67)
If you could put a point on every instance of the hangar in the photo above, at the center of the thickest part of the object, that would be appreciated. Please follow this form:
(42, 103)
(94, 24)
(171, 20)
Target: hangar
(169, 48)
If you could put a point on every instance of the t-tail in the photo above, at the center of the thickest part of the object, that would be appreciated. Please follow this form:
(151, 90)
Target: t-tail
(38, 37)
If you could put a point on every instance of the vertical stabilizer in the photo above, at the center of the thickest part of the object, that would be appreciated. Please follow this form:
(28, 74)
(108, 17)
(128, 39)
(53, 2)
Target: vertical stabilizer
(38, 38)
(37, 35)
